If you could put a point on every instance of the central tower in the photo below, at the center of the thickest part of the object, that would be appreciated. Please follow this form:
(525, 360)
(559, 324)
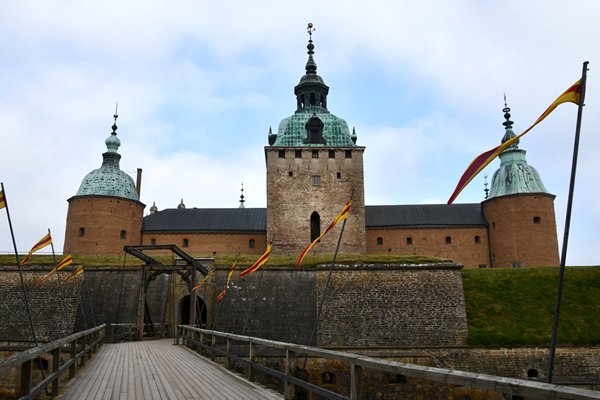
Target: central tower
(313, 167)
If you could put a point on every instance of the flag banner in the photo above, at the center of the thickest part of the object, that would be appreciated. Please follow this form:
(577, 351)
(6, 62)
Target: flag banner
(258, 263)
(341, 216)
(78, 271)
(202, 282)
(571, 95)
(68, 260)
(43, 242)
(2, 199)
(222, 294)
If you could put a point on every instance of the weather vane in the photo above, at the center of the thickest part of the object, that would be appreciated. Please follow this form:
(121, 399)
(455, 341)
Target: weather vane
(310, 30)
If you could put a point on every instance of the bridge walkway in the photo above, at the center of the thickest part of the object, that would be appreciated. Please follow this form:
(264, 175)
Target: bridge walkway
(158, 370)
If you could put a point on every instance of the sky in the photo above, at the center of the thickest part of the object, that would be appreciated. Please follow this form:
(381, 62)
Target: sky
(198, 85)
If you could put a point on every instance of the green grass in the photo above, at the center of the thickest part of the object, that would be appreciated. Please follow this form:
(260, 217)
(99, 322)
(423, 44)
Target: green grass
(514, 307)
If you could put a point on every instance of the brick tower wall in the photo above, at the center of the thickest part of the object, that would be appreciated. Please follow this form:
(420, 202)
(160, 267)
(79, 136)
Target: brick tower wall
(522, 230)
(292, 196)
(102, 219)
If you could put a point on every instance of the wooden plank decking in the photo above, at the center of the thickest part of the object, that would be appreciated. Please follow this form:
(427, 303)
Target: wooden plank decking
(158, 370)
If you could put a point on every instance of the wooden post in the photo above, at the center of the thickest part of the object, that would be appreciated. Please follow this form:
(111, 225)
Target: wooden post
(289, 389)
(55, 367)
(26, 377)
(251, 356)
(83, 345)
(355, 381)
(193, 298)
(213, 344)
(229, 363)
(73, 355)
(141, 302)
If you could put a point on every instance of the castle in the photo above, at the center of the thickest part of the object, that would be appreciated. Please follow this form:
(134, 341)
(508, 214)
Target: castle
(313, 166)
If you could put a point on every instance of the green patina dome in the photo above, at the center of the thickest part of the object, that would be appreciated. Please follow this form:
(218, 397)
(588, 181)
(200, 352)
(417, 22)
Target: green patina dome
(514, 175)
(109, 180)
(312, 124)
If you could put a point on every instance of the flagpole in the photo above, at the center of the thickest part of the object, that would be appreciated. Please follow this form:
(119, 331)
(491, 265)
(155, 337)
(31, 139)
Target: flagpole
(563, 257)
(325, 290)
(19, 266)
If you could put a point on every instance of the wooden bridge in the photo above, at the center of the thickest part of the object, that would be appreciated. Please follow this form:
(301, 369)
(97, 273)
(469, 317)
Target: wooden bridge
(163, 369)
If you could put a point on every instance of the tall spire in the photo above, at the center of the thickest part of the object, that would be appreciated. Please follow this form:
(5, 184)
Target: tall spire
(113, 142)
(311, 91)
(509, 134)
(311, 66)
(242, 201)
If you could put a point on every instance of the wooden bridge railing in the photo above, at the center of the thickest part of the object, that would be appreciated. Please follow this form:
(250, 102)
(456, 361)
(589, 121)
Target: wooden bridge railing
(78, 346)
(207, 342)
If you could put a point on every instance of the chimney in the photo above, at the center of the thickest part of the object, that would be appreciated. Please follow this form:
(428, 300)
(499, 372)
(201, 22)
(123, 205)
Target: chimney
(138, 183)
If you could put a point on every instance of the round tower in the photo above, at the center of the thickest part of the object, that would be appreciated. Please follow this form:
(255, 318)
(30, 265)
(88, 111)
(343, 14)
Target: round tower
(313, 168)
(106, 213)
(519, 211)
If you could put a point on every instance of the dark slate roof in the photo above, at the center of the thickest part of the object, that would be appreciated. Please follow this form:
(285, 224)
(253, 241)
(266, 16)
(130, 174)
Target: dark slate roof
(207, 220)
(424, 215)
(255, 219)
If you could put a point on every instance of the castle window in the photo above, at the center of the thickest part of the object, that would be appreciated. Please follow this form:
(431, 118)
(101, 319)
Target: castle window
(185, 243)
(331, 153)
(477, 239)
(448, 240)
(517, 264)
(290, 173)
(348, 153)
(153, 242)
(281, 153)
(339, 175)
(316, 180)
(298, 153)
(312, 99)
(533, 373)
(494, 225)
(81, 232)
(251, 244)
(409, 240)
(315, 154)
(537, 220)
(379, 241)
(315, 225)
(481, 266)
(123, 235)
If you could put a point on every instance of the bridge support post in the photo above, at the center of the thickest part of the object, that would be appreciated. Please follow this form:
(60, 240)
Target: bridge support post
(229, 363)
(26, 377)
(73, 355)
(213, 345)
(355, 381)
(289, 389)
(251, 356)
(55, 368)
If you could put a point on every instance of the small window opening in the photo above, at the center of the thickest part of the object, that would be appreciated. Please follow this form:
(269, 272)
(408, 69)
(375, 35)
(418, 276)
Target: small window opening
(481, 266)
(315, 154)
(348, 153)
(316, 180)
(81, 232)
(290, 173)
(448, 240)
(339, 175)
(379, 241)
(185, 243)
(298, 153)
(315, 226)
(537, 220)
(331, 153)
(477, 239)
(409, 240)
(251, 244)
(153, 242)
(281, 153)
(533, 373)
(123, 235)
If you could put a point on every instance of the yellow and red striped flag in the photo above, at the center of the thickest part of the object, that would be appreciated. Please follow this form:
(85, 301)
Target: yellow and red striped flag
(43, 242)
(2, 199)
(258, 263)
(340, 217)
(571, 95)
(78, 271)
(202, 282)
(222, 294)
(68, 260)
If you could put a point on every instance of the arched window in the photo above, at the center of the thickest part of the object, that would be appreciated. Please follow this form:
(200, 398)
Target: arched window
(477, 239)
(81, 232)
(379, 241)
(251, 244)
(123, 235)
(185, 243)
(409, 240)
(533, 373)
(153, 242)
(448, 240)
(315, 225)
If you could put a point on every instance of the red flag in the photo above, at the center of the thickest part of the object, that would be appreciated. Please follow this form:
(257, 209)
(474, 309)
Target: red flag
(258, 263)
(43, 242)
(66, 261)
(341, 216)
(222, 294)
(202, 282)
(78, 271)
(571, 95)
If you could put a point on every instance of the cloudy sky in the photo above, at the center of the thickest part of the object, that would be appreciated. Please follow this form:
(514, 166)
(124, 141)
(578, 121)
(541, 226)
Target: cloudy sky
(199, 83)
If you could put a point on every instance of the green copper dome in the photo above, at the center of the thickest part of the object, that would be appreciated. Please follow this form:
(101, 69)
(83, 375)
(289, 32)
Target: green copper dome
(312, 124)
(109, 180)
(514, 175)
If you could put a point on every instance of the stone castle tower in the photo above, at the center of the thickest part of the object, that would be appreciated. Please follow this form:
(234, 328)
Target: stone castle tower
(519, 211)
(313, 168)
(106, 213)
